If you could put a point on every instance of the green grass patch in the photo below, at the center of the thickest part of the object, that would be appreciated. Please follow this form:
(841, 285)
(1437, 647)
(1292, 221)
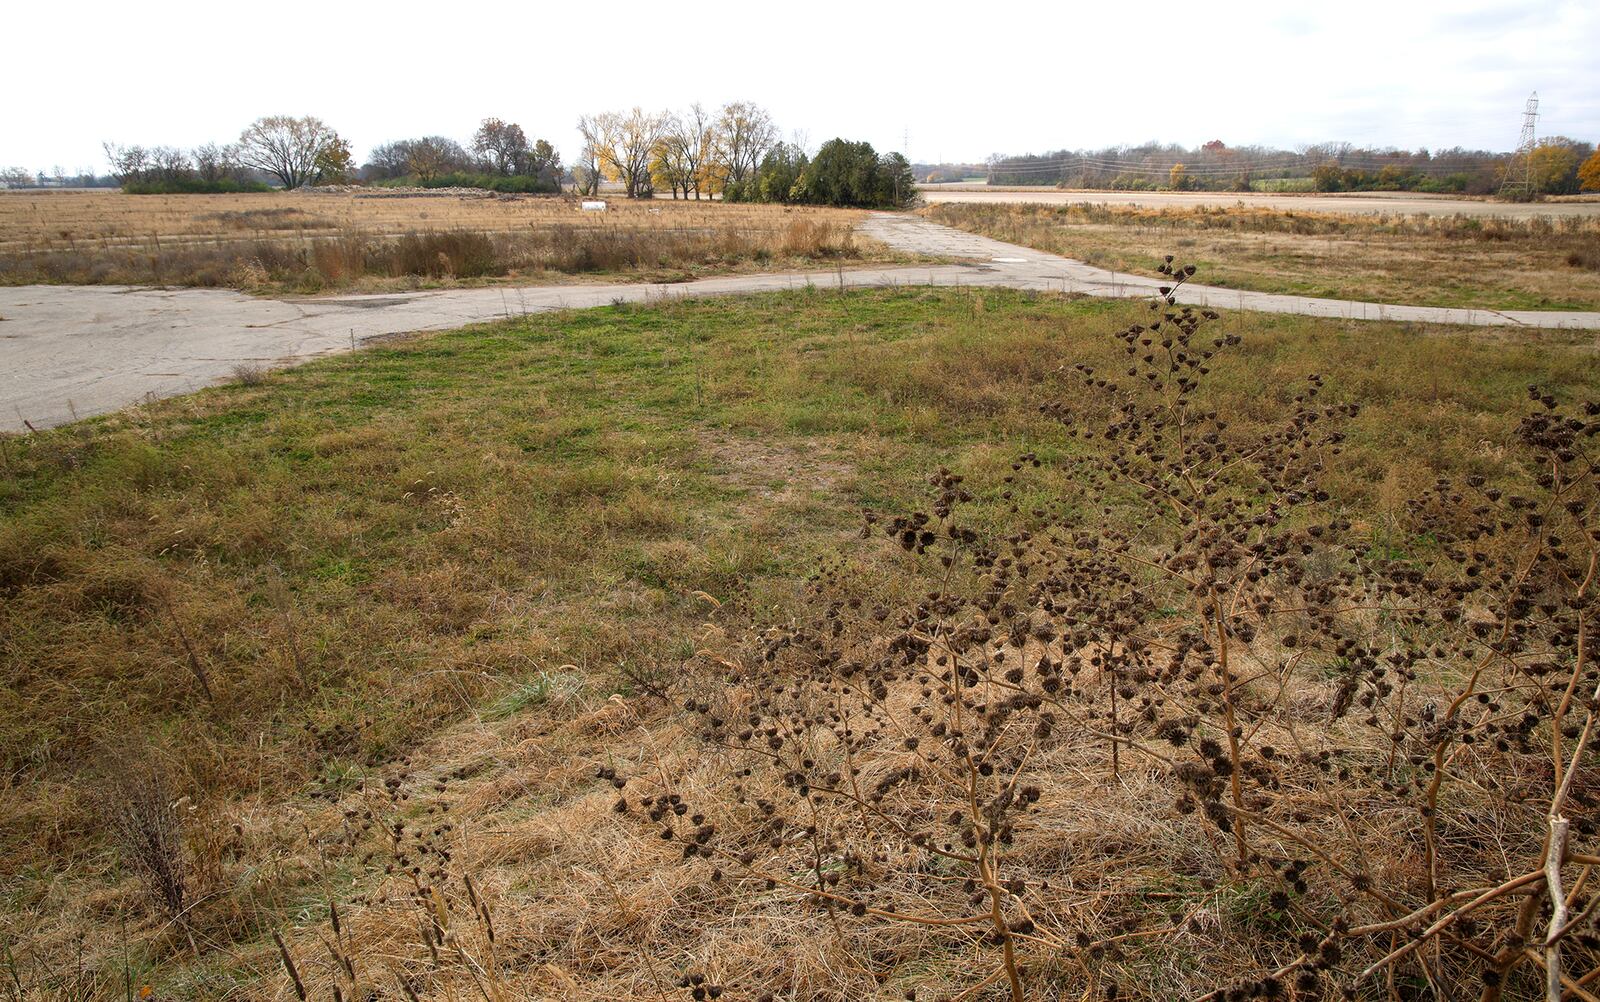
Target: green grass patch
(473, 521)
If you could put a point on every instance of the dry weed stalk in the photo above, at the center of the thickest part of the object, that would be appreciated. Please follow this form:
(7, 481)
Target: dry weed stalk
(1318, 699)
(283, 600)
(141, 812)
(163, 590)
(421, 890)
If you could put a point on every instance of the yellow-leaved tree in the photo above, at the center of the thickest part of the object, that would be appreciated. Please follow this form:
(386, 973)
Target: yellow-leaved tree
(1552, 165)
(1589, 173)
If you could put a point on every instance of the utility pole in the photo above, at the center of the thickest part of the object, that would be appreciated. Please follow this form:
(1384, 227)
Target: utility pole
(1518, 181)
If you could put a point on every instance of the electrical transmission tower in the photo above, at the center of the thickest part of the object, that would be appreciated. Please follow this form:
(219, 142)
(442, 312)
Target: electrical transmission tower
(1519, 172)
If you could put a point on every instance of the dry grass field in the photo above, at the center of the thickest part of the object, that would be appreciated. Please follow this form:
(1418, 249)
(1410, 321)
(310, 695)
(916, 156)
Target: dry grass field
(518, 662)
(381, 240)
(1541, 263)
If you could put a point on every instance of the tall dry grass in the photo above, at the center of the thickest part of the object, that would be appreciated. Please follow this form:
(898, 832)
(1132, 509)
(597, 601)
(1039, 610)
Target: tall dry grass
(1254, 219)
(1539, 262)
(310, 242)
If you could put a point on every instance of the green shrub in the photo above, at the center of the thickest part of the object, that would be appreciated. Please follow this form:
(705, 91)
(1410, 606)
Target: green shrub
(1450, 184)
(846, 174)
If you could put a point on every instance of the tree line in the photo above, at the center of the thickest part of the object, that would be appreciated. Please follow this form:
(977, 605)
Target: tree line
(734, 153)
(56, 177)
(500, 156)
(1551, 168)
(1215, 166)
(694, 153)
(842, 173)
(290, 151)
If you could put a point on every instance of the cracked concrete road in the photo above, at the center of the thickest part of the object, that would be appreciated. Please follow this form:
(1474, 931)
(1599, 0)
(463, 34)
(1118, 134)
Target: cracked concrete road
(69, 352)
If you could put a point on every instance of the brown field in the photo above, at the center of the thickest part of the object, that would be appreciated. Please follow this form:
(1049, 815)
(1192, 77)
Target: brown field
(1534, 263)
(376, 240)
(1342, 203)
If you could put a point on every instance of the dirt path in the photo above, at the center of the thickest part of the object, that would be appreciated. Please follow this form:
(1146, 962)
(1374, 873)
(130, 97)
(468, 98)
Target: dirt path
(69, 352)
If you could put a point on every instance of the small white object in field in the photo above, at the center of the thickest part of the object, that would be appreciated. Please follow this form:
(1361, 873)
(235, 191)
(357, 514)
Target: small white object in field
(594, 206)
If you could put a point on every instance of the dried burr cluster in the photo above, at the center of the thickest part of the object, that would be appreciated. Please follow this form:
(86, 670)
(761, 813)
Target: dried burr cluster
(1375, 742)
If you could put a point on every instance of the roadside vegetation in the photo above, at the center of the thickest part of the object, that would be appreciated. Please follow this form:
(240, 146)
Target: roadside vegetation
(554, 658)
(311, 242)
(1497, 263)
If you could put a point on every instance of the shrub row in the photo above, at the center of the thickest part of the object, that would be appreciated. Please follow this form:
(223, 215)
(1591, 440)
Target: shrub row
(515, 183)
(193, 186)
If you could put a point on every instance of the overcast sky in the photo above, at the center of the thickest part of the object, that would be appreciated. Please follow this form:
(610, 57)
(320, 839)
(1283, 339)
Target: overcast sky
(965, 80)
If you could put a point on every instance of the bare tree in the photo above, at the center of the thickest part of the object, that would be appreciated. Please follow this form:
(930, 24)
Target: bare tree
(744, 133)
(668, 165)
(128, 163)
(286, 148)
(426, 158)
(388, 160)
(686, 146)
(623, 144)
(502, 145)
(168, 163)
(213, 163)
(431, 156)
(586, 169)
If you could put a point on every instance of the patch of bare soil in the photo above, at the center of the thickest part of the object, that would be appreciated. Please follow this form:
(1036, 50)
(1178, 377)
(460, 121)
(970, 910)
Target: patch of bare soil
(775, 474)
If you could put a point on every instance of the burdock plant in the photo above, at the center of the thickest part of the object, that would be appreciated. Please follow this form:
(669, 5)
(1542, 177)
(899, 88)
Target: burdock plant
(1386, 743)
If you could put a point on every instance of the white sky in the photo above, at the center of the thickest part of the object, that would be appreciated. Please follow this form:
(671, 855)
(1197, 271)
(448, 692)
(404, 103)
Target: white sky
(966, 79)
